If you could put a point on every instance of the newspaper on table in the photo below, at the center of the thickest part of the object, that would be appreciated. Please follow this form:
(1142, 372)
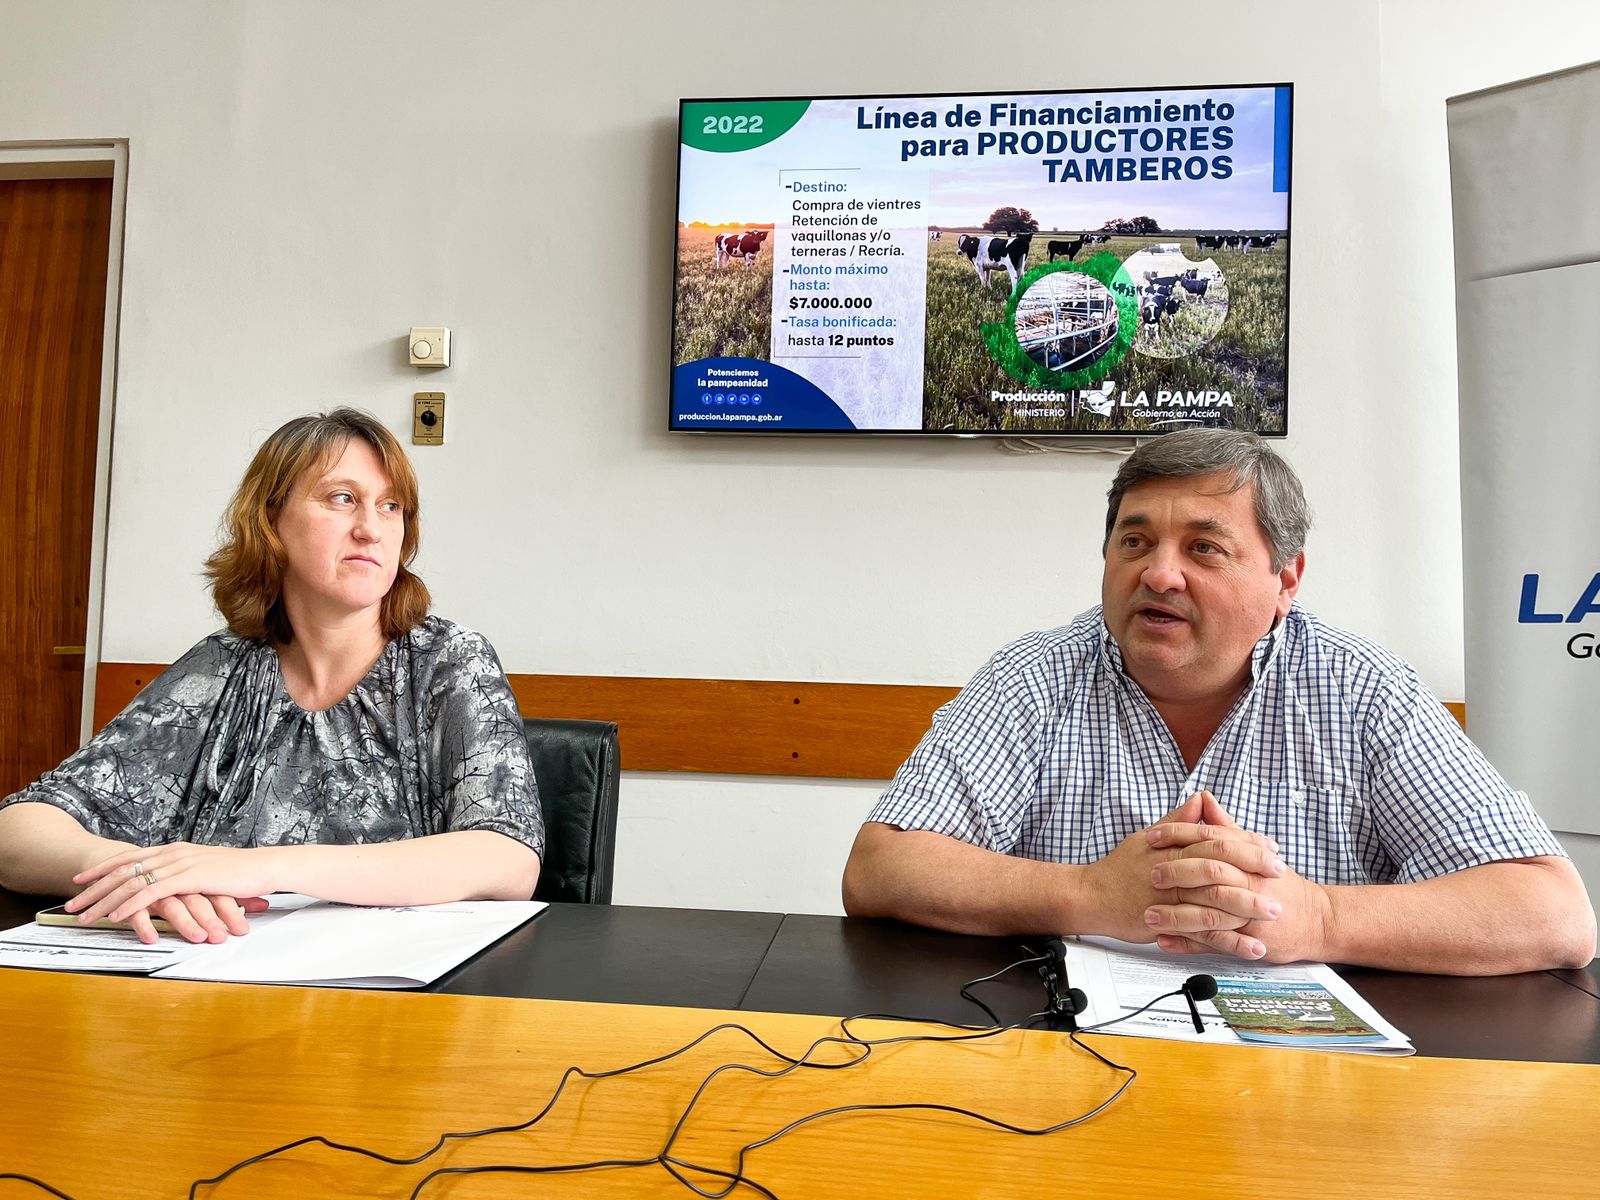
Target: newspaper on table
(1280, 1004)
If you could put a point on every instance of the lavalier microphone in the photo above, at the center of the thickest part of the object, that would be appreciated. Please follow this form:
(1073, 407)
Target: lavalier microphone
(1064, 1003)
(1198, 987)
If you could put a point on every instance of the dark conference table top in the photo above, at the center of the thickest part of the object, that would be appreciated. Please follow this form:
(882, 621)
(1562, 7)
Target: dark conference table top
(836, 966)
(615, 954)
(1588, 978)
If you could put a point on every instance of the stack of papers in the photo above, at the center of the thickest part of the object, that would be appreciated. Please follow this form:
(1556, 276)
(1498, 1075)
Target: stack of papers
(298, 940)
(1297, 1004)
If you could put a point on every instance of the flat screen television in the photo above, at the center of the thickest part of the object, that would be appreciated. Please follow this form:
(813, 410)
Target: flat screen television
(1015, 264)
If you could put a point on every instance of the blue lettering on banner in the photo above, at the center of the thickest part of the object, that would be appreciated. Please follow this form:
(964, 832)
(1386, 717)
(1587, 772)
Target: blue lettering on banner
(1530, 595)
(1587, 605)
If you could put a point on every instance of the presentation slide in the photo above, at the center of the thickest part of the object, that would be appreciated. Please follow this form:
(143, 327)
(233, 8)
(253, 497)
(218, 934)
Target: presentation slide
(1111, 262)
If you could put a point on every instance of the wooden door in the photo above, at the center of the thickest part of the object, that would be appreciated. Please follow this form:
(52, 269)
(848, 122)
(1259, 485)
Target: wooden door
(54, 237)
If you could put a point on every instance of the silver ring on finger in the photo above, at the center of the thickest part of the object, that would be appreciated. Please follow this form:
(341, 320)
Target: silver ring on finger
(138, 868)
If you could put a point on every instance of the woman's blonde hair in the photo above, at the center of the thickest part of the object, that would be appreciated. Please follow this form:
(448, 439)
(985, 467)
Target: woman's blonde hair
(246, 572)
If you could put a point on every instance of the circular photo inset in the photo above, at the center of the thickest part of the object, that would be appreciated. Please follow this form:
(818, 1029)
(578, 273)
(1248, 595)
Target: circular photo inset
(1182, 304)
(1066, 321)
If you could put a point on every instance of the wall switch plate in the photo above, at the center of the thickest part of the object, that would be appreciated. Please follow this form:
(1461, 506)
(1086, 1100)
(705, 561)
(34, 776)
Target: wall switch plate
(429, 346)
(427, 419)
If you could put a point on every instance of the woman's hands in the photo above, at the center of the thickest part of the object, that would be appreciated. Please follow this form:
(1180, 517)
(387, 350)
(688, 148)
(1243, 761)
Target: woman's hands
(203, 892)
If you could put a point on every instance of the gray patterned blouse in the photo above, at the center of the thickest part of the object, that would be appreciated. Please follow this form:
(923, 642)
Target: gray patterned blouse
(215, 751)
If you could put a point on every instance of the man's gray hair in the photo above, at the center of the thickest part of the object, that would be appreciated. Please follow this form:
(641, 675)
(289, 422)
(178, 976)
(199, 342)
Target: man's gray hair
(1281, 508)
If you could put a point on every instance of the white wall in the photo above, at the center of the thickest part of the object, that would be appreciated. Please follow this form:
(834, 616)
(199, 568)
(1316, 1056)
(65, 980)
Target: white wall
(310, 178)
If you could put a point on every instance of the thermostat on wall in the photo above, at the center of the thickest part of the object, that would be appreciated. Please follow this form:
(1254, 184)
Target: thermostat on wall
(429, 346)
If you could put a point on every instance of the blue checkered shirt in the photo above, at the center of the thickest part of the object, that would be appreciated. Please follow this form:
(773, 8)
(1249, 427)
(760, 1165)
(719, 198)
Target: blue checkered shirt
(1336, 750)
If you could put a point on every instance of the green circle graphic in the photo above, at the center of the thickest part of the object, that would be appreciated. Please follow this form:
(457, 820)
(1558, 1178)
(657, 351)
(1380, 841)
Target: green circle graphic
(1001, 337)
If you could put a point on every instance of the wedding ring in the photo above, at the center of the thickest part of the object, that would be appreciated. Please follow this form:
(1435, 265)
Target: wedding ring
(138, 868)
(149, 878)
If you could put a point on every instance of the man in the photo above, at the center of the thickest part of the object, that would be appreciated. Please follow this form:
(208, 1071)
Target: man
(1201, 762)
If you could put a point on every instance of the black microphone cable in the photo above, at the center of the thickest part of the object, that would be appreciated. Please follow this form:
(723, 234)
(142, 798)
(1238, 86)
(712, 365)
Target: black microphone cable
(38, 1183)
(857, 1048)
(738, 1178)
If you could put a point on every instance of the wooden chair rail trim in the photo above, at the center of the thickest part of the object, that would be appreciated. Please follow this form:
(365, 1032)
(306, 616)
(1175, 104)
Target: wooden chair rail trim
(716, 726)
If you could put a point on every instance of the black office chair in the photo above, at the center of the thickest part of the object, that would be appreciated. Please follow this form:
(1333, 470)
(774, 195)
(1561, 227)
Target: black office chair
(575, 763)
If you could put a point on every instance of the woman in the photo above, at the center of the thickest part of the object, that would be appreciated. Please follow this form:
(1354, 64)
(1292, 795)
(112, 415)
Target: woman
(334, 740)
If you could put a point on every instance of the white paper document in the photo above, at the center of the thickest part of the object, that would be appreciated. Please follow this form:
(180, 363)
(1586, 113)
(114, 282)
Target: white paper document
(298, 940)
(1119, 977)
(59, 948)
(70, 948)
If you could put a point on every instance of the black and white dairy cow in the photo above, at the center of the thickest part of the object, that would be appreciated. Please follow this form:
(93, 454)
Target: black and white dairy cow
(1070, 248)
(990, 254)
(743, 246)
(1195, 283)
(1157, 300)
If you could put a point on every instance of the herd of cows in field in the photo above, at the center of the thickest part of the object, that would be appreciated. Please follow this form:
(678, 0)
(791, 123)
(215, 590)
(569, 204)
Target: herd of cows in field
(1244, 243)
(1160, 296)
(990, 252)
